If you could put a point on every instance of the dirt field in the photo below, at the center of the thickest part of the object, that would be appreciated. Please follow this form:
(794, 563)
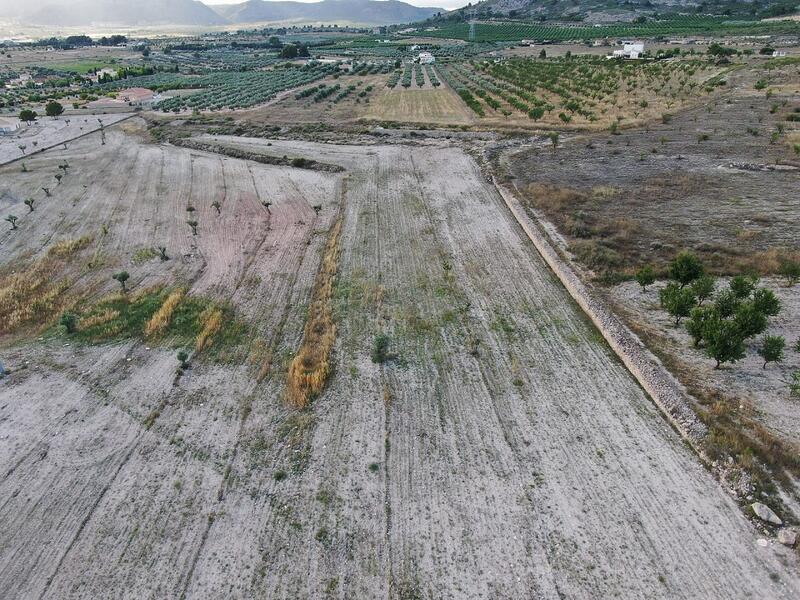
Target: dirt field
(711, 179)
(46, 132)
(414, 105)
(497, 449)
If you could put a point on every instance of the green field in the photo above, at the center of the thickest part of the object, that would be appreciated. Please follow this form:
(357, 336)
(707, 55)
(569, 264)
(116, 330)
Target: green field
(515, 31)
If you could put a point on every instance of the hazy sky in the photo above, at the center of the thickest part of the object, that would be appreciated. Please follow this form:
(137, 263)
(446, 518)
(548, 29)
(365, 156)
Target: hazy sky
(448, 4)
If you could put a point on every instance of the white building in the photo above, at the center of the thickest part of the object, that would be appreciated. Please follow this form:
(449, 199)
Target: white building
(426, 58)
(779, 54)
(629, 50)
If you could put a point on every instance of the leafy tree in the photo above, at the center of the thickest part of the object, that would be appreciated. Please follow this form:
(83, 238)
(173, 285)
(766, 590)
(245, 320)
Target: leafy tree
(183, 357)
(766, 302)
(536, 113)
(53, 109)
(724, 342)
(542, 53)
(58, 176)
(677, 301)
(685, 268)
(28, 115)
(646, 276)
(701, 320)
(216, 205)
(122, 277)
(193, 225)
(13, 220)
(703, 288)
(289, 51)
(29, 204)
(553, 135)
(726, 303)
(749, 320)
(162, 251)
(742, 286)
(69, 322)
(771, 349)
(790, 269)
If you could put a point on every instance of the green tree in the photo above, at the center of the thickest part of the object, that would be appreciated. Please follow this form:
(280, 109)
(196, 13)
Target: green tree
(726, 303)
(183, 357)
(162, 253)
(772, 348)
(701, 320)
(216, 205)
(766, 302)
(646, 276)
(685, 268)
(193, 225)
(289, 51)
(29, 204)
(678, 302)
(703, 288)
(13, 220)
(724, 342)
(27, 115)
(749, 320)
(553, 135)
(790, 269)
(122, 277)
(542, 53)
(53, 109)
(69, 322)
(742, 286)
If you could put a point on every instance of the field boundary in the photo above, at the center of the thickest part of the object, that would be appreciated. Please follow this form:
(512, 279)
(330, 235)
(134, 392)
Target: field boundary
(61, 143)
(665, 391)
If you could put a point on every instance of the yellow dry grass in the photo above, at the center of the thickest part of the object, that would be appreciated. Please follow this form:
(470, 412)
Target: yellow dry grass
(310, 368)
(36, 294)
(211, 318)
(99, 319)
(440, 105)
(163, 316)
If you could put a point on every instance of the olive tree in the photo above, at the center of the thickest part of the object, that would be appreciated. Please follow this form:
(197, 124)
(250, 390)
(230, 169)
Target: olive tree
(122, 277)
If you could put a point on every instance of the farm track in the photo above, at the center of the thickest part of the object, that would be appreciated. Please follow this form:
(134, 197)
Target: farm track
(503, 451)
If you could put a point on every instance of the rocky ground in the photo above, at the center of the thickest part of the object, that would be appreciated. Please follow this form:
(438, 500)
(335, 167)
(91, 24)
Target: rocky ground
(497, 448)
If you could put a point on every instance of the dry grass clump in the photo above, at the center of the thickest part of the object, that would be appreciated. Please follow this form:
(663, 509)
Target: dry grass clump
(211, 321)
(100, 318)
(311, 366)
(66, 248)
(159, 322)
(36, 294)
(554, 198)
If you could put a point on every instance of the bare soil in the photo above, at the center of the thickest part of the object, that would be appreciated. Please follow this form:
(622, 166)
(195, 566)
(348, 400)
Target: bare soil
(499, 450)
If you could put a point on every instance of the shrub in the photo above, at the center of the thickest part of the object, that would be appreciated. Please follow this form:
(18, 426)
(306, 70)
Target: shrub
(685, 268)
(766, 302)
(790, 270)
(771, 349)
(724, 342)
(380, 349)
(703, 288)
(742, 286)
(702, 319)
(69, 322)
(122, 277)
(749, 320)
(646, 276)
(677, 301)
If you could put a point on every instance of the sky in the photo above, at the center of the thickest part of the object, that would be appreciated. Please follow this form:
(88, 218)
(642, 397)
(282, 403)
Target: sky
(448, 4)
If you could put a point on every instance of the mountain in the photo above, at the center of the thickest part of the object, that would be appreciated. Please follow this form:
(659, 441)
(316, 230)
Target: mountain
(598, 11)
(364, 12)
(143, 13)
(130, 13)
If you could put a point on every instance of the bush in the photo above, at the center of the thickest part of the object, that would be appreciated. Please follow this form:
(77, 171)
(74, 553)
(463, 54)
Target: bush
(771, 349)
(703, 288)
(69, 322)
(724, 342)
(749, 320)
(685, 268)
(677, 301)
(380, 349)
(646, 276)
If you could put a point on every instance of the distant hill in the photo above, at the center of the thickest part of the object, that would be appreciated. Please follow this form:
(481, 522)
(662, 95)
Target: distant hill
(365, 12)
(598, 11)
(118, 12)
(138, 13)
